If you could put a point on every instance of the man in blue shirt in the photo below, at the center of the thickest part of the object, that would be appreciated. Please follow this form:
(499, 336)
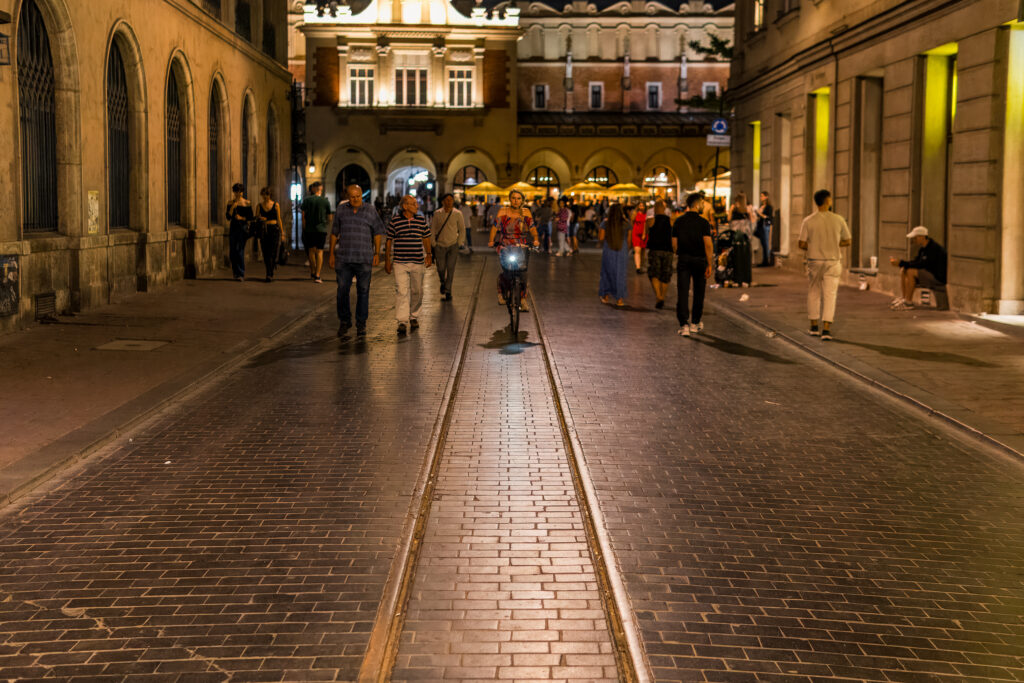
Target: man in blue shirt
(354, 250)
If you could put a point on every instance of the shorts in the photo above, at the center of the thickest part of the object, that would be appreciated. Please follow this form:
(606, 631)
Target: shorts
(659, 265)
(573, 226)
(314, 239)
(927, 280)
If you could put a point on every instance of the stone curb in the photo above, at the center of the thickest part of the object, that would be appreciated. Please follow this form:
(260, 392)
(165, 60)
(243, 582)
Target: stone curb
(22, 476)
(936, 407)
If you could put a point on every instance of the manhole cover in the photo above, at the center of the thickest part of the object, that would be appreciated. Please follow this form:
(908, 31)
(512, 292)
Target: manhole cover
(131, 345)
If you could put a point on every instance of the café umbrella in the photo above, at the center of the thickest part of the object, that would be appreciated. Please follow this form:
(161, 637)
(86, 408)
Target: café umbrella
(627, 190)
(486, 188)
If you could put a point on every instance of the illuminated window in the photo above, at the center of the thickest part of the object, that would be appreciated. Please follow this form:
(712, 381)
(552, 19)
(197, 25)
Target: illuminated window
(602, 175)
(360, 81)
(460, 88)
(411, 87)
(544, 178)
(467, 177)
(758, 14)
(596, 95)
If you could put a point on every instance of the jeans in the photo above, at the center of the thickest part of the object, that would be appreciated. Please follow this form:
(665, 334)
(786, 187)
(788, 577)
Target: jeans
(237, 238)
(544, 235)
(270, 243)
(361, 272)
(409, 290)
(469, 236)
(766, 244)
(444, 260)
(690, 269)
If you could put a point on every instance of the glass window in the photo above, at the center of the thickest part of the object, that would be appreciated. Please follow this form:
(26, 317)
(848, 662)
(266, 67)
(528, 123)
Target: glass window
(602, 175)
(360, 81)
(710, 91)
(544, 178)
(758, 14)
(540, 97)
(118, 141)
(411, 87)
(460, 88)
(37, 97)
(175, 150)
(654, 95)
(596, 95)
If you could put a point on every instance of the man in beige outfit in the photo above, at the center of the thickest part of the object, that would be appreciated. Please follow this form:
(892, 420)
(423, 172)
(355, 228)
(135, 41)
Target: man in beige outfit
(448, 228)
(822, 235)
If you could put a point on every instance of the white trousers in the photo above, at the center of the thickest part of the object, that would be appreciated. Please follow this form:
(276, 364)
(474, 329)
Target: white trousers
(408, 291)
(823, 277)
(563, 243)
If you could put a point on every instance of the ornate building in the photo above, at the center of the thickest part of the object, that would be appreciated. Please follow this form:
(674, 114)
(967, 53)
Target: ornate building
(444, 95)
(126, 123)
(912, 113)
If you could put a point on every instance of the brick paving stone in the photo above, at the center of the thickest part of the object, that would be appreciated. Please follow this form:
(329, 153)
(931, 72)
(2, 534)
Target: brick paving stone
(504, 587)
(773, 520)
(245, 535)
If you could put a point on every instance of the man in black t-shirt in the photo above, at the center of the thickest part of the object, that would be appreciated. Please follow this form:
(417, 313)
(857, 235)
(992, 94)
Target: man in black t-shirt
(691, 240)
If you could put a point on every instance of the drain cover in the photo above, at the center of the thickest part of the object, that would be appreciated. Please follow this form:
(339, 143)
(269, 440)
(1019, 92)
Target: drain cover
(131, 345)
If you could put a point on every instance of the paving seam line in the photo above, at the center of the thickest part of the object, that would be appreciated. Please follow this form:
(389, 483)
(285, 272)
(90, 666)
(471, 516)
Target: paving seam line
(917, 405)
(176, 396)
(382, 649)
(629, 651)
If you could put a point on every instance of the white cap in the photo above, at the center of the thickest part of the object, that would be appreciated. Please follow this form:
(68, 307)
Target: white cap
(919, 231)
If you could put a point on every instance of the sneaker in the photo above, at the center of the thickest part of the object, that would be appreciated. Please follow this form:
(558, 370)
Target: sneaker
(684, 331)
(814, 331)
(524, 307)
(447, 296)
(826, 335)
(896, 301)
(414, 324)
(699, 327)
(401, 329)
(318, 280)
(903, 305)
(501, 299)
(660, 303)
(343, 329)
(361, 330)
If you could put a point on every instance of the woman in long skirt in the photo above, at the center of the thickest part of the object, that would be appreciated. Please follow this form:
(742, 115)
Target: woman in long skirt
(614, 257)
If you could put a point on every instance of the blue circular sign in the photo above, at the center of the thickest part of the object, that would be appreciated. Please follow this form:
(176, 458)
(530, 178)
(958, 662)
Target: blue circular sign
(719, 126)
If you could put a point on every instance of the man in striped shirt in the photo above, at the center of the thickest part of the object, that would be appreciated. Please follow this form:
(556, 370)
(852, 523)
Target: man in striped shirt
(408, 254)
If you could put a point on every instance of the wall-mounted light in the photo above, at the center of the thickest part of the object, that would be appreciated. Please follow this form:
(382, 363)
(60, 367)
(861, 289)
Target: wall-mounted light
(312, 168)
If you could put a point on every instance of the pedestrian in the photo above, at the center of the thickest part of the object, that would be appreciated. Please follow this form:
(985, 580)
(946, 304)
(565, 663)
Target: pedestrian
(561, 222)
(354, 250)
(765, 215)
(691, 240)
(639, 219)
(270, 231)
(614, 256)
(658, 236)
(408, 254)
(543, 222)
(316, 220)
(822, 234)
(448, 228)
(240, 216)
(467, 219)
(742, 228)
(927, 269)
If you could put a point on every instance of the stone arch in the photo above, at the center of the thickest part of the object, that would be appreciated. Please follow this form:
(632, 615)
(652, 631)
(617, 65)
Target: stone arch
(681, 164)
(220, 176)
(614, 159)
(123, 37)
(409, 156)
(471, 156)
(546, 156)
(64, 53)
(178, 66)
(338, 160)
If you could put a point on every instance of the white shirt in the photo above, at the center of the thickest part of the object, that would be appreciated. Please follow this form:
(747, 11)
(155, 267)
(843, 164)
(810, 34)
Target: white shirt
(454, 228)
(823, 231)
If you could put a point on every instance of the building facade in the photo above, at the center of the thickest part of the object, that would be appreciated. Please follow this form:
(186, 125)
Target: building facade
(449, 94)
(911, 113)
(126, 124)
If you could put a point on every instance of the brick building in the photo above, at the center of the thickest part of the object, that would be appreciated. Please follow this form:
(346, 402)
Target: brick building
(550, 93)
(126, 123)
(910, 112)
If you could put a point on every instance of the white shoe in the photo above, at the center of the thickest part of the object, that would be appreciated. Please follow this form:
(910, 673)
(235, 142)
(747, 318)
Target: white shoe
(699, 327)
(684, 331)
(903, 306)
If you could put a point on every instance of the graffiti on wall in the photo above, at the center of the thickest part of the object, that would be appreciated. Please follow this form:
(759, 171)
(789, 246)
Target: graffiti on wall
(9, 287)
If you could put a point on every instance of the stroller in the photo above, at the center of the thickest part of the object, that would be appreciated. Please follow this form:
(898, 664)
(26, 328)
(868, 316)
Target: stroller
(732, 258)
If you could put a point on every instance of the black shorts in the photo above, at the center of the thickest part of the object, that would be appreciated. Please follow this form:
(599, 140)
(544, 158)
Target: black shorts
(659, 265)
(314, 239)
(926, 279)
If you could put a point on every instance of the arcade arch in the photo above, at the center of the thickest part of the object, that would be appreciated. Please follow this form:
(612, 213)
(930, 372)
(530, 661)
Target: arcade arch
(553, 160)
(339, 164)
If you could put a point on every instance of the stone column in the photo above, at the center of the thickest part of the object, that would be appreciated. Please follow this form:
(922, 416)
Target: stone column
(1011, 270)
(343, 86)
(478, 76)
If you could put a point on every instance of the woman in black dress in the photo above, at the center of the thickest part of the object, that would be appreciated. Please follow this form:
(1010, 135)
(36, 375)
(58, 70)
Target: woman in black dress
(742, 227)
(271, 230)
(239, 215)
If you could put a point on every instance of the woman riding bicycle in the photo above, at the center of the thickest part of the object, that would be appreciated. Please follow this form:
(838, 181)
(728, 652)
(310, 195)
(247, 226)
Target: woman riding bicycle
(510, 227)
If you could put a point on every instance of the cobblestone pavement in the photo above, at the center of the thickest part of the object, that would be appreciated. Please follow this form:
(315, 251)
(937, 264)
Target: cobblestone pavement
(505, 586)
(246, 535)
(773, 521)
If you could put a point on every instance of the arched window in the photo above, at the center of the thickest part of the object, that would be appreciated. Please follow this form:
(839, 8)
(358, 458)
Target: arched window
(38, 116)
(467, 177)
(246, 146)
(175, 150)
(271, 149)
(602, 175)
(544, 178)
(118, 142)
(215, 156)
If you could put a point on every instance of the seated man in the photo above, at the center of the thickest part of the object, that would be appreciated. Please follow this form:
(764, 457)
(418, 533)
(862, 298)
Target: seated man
(927, 269)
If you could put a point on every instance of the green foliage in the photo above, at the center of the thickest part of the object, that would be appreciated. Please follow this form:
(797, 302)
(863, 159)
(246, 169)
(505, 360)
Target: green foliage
(719, 47)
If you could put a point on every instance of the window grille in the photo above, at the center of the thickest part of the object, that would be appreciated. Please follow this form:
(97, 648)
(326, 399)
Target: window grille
(543, 177)
(175, 134)
(360, 80)
(460, 88)
(214, 181)
(37, 109)
(118, 142)
(602, 175)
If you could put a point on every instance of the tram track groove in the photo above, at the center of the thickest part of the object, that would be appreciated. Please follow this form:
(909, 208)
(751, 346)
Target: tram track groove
(382, 649)
(630, 660)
